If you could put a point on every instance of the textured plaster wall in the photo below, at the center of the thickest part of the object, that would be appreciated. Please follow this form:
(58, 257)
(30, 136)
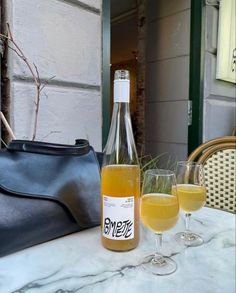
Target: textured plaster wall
(63, 38)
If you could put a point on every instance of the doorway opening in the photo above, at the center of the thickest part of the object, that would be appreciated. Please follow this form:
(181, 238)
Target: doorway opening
(126, 53)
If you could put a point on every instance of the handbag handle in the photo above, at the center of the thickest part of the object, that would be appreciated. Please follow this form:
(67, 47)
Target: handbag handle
(80, 148)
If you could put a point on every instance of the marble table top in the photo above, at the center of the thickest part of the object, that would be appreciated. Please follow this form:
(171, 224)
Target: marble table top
(78, 262)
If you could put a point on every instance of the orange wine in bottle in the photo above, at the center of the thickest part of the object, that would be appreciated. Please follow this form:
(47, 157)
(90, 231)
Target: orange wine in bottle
(120, 176)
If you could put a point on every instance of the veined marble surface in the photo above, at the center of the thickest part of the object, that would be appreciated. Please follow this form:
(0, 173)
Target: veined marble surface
(78, 263)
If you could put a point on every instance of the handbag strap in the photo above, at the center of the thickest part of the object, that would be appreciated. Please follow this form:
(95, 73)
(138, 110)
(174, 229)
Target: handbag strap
(80, 148)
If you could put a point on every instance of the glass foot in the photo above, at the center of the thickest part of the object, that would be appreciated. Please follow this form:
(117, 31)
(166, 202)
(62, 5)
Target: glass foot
(189, 239)
(163, 266)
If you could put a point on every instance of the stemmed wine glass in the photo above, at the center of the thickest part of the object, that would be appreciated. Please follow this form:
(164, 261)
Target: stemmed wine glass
(192, 197)
(159, 210)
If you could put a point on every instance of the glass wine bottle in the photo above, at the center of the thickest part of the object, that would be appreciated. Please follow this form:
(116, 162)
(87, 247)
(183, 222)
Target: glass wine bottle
(120, 176)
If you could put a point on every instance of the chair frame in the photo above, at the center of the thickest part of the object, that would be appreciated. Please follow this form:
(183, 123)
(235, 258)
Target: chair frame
(208, 148)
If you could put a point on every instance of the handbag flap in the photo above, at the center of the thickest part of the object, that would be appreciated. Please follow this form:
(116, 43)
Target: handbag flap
(71, 179)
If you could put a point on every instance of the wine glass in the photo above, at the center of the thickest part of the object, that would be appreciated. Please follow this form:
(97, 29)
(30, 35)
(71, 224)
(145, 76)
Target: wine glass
(159, 211)
(192, 197)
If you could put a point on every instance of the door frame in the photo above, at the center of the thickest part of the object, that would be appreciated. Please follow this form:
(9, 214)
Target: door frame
(196, 74)
(106, 33)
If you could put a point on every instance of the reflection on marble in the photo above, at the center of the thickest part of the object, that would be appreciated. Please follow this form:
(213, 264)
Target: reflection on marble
(78, 263)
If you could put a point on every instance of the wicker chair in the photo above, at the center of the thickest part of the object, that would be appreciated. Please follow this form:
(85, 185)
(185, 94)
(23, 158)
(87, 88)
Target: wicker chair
(218, 157)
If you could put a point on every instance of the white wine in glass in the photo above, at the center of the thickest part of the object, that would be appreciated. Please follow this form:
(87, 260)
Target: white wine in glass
(192, 197)
(159, 211)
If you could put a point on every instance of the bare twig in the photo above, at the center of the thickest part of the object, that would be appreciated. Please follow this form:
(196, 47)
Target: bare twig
(36, 114)
(15, 51)
(33, 70)
(3, 142)
(51, 132)
(8, 128)
(37, 72)
(21, 54)
(46, 82)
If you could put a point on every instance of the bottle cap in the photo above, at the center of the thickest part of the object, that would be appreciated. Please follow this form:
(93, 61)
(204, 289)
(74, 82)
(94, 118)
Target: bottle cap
(121, 74)
(121, 86)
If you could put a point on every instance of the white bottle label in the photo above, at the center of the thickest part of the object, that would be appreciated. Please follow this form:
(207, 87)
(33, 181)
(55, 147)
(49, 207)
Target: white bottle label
(118, 217)
(121, 91)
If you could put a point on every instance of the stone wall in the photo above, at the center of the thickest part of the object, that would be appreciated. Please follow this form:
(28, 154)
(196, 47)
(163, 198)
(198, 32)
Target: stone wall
(63, 39)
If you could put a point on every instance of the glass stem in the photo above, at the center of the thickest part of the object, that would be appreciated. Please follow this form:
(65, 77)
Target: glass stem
(158, 258)
(187, 222)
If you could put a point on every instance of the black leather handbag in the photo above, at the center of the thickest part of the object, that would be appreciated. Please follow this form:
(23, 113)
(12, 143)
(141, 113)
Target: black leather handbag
(46, 191)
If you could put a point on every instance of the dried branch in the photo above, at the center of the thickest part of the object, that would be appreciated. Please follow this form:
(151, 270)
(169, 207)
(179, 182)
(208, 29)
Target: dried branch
(33, 70)
(3, 143)
(8, 128)
(37, 72)
(36, 113)
(21, 54)
(51, 132)
(46, 82)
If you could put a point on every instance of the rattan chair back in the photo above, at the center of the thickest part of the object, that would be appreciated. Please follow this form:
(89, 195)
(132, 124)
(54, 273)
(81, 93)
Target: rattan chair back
(218, 157)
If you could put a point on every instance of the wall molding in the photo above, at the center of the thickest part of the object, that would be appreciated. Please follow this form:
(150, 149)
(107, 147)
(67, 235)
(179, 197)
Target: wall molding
(59, 83)
(81, 5)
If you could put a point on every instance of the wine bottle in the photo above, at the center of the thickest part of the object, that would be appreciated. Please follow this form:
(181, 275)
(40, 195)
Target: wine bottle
(120, 175)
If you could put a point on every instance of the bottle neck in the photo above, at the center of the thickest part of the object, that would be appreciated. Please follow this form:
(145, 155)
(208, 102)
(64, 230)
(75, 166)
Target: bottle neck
(120, 147)
(121, 108)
